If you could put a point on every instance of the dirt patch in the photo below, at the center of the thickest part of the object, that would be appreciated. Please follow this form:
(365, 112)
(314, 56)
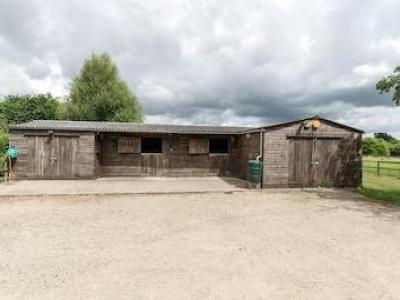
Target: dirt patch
(276, 245)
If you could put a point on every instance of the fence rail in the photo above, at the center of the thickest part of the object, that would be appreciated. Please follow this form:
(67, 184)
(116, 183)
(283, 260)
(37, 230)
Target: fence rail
(383, 168)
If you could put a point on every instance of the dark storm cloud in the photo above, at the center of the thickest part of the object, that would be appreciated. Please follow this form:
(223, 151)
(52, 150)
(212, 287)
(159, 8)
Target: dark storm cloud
(231, 62)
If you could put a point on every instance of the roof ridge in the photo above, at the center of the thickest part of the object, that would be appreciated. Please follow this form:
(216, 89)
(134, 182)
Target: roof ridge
(131, 123)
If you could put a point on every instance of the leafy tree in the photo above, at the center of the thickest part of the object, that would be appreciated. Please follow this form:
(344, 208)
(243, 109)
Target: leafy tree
(3, 120)
(384, 136)
(3, 133)
(99, 94)
(3, 145)
(394, 148)
(22, 108)
(386, 84)
(375, 147)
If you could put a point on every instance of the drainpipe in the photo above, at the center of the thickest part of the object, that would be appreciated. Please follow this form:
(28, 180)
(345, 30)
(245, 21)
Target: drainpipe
(260, 156)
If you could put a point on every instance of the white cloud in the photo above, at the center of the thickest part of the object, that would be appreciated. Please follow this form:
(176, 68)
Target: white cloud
(235, 62)
(374, 119)
(37, 69)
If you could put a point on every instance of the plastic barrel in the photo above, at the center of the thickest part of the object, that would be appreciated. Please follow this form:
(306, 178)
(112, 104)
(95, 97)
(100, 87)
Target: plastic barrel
(254, 169)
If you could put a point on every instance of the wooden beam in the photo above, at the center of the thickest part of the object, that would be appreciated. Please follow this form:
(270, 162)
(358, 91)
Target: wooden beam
(316, 136)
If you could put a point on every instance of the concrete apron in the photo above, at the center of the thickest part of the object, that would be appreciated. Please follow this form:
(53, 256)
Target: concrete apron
(139, 185)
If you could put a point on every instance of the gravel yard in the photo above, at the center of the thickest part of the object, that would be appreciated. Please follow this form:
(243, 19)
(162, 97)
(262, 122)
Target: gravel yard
(319, 244)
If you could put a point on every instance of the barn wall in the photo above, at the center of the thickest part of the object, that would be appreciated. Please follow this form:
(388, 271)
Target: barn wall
(20, 168)
(84, 166)
(86, 156)
(276, 154)
(249, 149)
(175, 161)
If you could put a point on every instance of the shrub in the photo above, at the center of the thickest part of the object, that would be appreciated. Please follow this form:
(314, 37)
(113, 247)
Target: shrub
(375, 147)
(395, 148)
(16, 109)
(3, 143)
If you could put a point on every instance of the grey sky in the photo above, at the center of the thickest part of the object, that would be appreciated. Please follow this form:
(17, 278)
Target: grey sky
(221, 62)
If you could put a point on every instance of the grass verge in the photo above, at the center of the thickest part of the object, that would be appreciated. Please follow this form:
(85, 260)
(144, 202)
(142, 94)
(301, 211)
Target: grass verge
(382, 188)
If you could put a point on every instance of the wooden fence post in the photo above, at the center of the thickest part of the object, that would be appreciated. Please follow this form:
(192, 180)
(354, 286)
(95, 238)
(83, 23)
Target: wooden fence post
(378, 164)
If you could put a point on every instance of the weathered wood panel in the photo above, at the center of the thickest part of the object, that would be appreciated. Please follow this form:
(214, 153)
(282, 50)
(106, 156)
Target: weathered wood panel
(128, 145)
(176, 159)
(56, 156)
(248, 149)
(198, 146)
(287, 156)
(300, 162)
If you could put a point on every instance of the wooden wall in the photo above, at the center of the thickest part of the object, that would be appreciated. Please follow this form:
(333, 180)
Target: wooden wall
(276, 154)
(249, 149)
(175, 161)
(63, 155)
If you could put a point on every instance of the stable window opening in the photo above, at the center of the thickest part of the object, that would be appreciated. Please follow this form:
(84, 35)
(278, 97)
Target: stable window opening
(218, 146)
(151, 145)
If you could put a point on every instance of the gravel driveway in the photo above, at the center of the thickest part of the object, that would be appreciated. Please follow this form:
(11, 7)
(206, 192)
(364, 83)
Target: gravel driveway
(321, 244)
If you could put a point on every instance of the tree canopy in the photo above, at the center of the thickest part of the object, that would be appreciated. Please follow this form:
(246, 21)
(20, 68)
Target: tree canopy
(391, 82)
(385, 136)
(21, 108)
(375, 147)
(99, 94)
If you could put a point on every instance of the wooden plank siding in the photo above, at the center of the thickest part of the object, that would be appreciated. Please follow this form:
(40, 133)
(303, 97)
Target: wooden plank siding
(282, 167)
(175, 160)
(249, 149)
(287, 151)
(56, 156)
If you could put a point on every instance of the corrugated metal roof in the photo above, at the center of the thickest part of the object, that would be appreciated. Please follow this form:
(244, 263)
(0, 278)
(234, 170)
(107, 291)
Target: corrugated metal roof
(126, 127)
(152, 128)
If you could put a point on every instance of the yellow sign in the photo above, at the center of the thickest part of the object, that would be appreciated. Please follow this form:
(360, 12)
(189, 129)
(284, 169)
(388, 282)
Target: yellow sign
(316, 124)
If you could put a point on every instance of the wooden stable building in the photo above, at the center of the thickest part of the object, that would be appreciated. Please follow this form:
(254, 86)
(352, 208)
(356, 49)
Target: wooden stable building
(303, 153)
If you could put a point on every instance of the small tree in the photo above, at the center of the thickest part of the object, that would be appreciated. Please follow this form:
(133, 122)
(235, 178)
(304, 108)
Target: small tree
(394, 148)
(386, 84)
(98, 94)
(375, 147)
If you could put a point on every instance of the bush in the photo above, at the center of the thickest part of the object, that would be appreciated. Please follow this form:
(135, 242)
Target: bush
(16, 109)
(375, 147)
(395, 148)
(3, 144)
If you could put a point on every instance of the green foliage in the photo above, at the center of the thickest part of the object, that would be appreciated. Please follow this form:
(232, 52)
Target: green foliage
(3, 120)
(3, 144)
(381, 188)
(98, 94)
(391, 82)
(384, 136)
(375, 147)
(22, 108)
(394, 148)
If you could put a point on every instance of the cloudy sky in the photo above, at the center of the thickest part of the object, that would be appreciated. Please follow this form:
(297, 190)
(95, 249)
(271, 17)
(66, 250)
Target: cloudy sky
(222, 62)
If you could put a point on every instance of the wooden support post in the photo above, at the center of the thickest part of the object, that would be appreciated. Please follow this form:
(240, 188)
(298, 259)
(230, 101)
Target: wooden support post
(8, 169)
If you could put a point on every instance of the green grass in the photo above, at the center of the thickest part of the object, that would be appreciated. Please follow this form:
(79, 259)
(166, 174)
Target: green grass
(385, 187)
(387, 166)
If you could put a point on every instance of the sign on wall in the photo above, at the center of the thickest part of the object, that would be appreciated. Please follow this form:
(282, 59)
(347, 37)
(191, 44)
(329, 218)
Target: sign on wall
(198, 146)
(128, 145)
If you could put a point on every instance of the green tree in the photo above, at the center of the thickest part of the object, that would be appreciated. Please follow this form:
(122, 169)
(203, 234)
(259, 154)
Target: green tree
(21, 108)
(3, 145)
(384, 136)
(394, 148)
(3, 134)
(99, 94)
(386, 84)
(375, 147)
